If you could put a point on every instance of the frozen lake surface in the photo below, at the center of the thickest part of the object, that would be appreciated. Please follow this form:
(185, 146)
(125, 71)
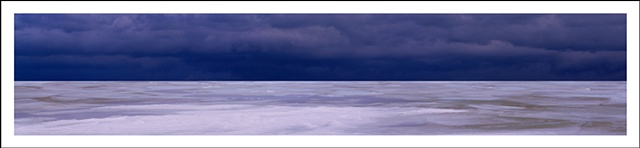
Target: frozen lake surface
(320, 108)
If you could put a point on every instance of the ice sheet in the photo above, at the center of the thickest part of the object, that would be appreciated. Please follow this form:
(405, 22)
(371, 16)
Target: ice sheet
(320, 108)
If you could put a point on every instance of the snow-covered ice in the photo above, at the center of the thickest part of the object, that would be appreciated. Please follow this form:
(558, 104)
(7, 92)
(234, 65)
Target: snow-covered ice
(320, 108)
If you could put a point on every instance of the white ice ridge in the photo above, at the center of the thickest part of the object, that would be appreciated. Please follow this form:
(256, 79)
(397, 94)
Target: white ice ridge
(215, 120)
(430, 110)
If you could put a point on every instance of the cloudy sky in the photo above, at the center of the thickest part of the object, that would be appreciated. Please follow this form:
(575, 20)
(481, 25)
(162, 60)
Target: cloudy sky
(320, 47)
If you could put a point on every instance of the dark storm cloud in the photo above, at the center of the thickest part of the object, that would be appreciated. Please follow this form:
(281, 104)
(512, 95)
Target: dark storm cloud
(320, 47)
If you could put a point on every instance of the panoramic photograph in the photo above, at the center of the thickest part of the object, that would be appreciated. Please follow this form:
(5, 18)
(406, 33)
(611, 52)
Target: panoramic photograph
(320, 74)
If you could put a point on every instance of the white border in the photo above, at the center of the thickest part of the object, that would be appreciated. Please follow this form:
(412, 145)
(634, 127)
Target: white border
(10, 8)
